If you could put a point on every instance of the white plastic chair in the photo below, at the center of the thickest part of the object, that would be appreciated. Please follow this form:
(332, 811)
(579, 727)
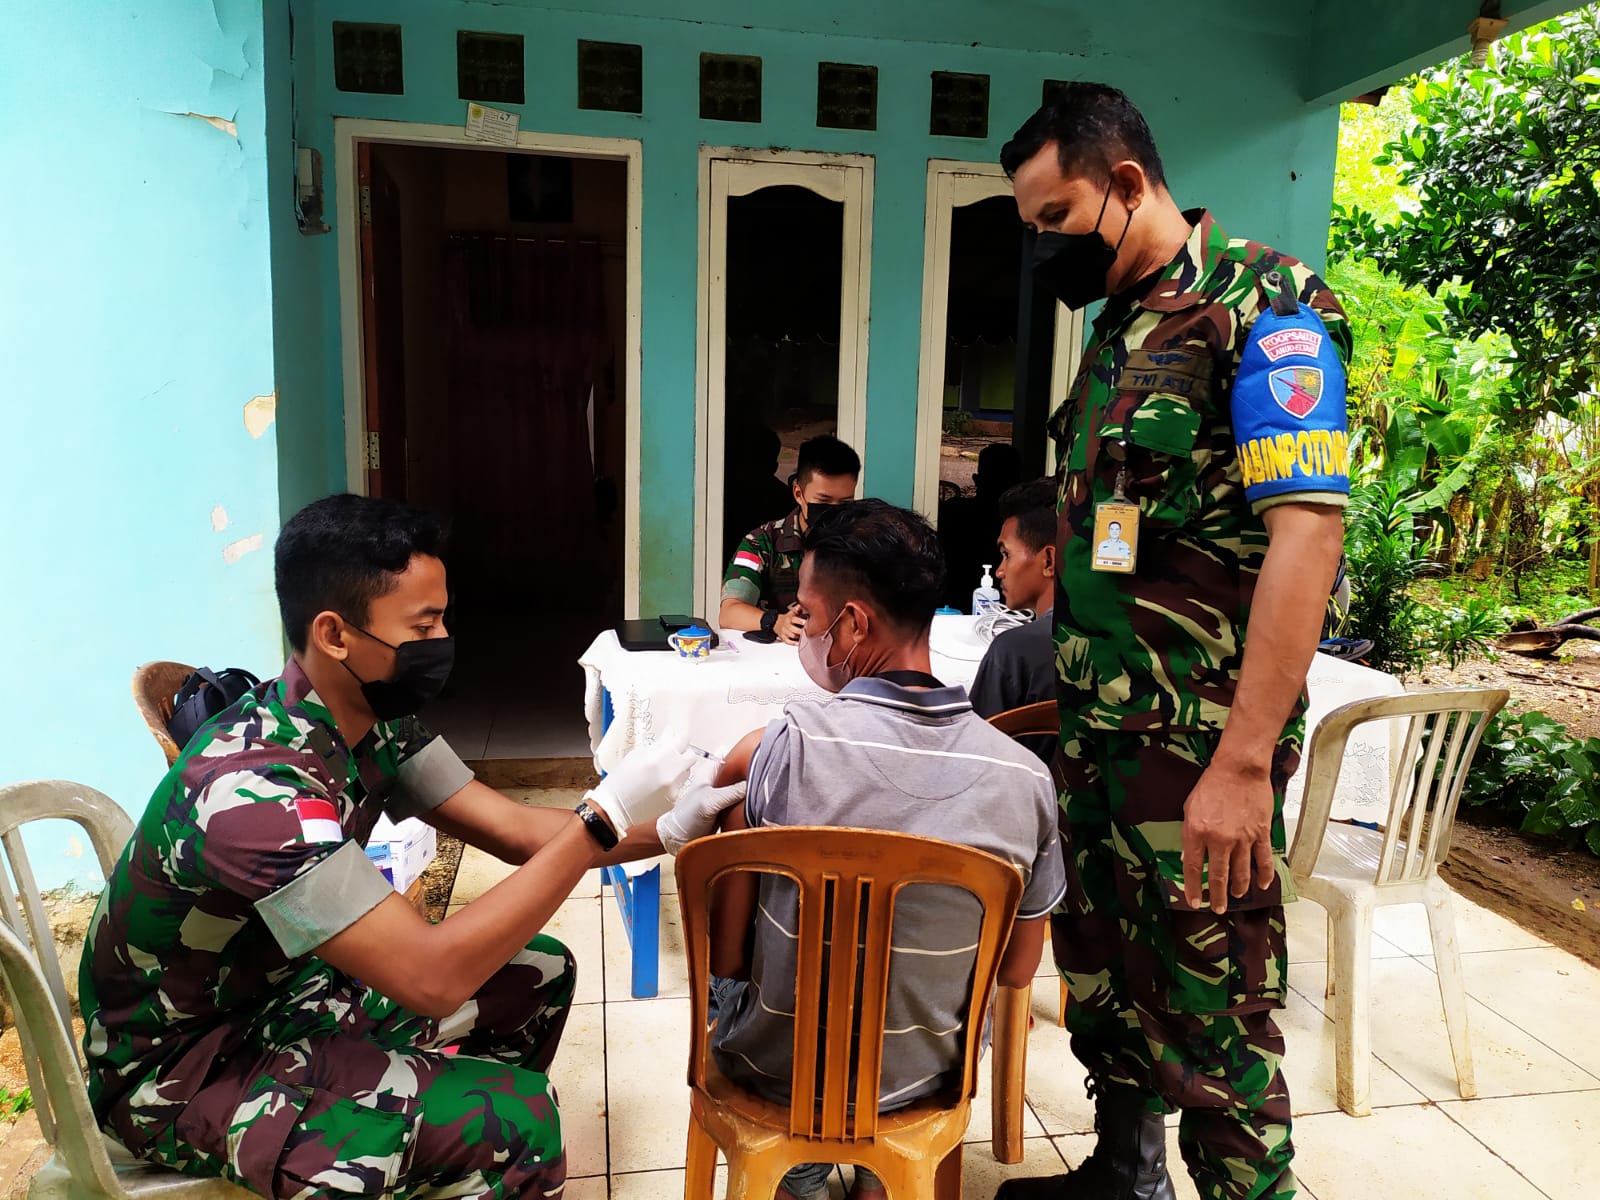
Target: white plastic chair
(86, 1163)
(1351, 871)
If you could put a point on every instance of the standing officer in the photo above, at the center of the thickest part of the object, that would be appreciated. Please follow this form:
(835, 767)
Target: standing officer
(1208, 424)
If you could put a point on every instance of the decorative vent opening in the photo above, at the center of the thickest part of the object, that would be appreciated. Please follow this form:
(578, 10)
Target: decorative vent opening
(367, 58)
(730, 87)
(611, 76)
(1052, 90)
(489, 67)
(847, 96)
(960, 105)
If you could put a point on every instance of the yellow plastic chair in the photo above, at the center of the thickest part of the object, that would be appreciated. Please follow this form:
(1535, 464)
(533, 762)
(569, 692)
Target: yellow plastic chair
(1351, 871)
(86, 1163)
(155, 686)
(847, 879)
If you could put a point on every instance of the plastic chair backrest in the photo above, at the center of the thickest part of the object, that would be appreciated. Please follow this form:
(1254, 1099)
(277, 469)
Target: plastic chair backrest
(34, 980)
(154, 686)
(1031, 720)
(1441, 731)
(847, 879)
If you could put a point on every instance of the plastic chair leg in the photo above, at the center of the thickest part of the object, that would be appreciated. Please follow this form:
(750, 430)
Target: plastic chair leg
(1061, 1016)
(1327, 993)
(700, 1168)
(1351, 961)
(1452, 984)
(1011, 1010)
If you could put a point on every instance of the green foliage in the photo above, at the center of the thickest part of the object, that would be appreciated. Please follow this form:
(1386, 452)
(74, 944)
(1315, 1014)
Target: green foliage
(1456, 634)
(14, 1104)
(1466, 243)
(1384, 557)
(1532, 773)
(1504, 161)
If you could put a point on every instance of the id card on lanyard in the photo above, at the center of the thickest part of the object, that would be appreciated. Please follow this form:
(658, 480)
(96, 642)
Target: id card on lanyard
(1116, 531)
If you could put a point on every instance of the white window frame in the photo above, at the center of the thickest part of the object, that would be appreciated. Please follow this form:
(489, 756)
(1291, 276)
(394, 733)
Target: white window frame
(726, 172)
(952, 185)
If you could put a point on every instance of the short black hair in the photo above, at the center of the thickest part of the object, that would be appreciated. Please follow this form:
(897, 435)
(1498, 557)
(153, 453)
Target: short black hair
(342, 552)
(891, 554)
(1093, 126)
(825, 455)
(1033, 504)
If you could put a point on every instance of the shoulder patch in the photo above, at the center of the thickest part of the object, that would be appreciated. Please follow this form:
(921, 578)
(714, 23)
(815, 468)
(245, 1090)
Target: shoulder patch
(1288, 408)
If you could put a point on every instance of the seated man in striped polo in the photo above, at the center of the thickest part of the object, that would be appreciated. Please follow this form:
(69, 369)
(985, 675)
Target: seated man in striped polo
(894, 749)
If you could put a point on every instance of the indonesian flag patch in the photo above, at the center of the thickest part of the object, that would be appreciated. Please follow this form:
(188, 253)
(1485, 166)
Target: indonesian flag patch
(319, 821)
(748, 561)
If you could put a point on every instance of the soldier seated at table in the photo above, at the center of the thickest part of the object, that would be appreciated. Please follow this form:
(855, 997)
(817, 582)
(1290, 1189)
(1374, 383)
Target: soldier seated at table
(1020, 665)
(260, 1004)
(763, 576)
(898, 750)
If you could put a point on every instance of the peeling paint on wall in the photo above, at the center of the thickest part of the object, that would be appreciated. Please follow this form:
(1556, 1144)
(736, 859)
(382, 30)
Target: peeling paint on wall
(234, 551)
(260, 412)
(225, 124)
(219, 519)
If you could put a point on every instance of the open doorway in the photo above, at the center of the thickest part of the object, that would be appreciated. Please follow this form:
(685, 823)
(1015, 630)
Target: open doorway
(782, 345)
(967, 422)
(495, 359)
(783, 285)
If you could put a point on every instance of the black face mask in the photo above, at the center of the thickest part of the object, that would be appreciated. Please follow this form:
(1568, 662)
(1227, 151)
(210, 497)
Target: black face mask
(1073, 266)
(420, 669)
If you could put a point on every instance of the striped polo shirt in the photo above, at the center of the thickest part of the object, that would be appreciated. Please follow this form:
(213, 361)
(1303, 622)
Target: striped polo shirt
(881, 756)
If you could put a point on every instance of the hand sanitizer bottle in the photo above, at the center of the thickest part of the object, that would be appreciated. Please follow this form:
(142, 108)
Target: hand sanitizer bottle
(985, 596)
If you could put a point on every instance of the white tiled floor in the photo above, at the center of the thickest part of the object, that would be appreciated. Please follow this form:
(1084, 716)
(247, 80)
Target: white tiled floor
(1534, 1132)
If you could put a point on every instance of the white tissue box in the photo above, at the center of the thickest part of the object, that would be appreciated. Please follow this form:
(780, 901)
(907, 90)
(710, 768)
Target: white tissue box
(402, 850)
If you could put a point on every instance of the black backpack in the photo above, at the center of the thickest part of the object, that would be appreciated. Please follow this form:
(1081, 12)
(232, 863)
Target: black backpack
(203, 695)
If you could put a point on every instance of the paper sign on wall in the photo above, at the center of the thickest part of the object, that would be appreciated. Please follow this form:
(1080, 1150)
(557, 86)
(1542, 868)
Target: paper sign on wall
(485, 124)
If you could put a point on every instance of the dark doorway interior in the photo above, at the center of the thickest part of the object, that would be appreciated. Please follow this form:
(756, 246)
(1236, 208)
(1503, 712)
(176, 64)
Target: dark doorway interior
(512, 273)
(785, 261)
(980, 356)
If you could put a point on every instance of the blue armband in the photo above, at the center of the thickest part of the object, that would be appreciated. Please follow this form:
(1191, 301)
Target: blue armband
(1288, 408)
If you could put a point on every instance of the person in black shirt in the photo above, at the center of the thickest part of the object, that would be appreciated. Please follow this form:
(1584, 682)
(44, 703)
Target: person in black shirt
(1019, 667)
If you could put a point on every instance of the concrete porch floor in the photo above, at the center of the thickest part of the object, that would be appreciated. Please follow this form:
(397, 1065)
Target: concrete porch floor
(1533, 1132)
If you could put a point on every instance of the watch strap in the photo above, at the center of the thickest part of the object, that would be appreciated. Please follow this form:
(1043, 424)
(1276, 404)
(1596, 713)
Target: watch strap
(769, 621)
(599, 829)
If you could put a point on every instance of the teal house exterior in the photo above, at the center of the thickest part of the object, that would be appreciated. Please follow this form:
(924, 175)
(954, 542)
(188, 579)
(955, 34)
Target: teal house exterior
(184, 362)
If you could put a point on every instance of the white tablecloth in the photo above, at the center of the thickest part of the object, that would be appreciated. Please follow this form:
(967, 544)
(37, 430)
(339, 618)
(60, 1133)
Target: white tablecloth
(1363, 791)
(744, 685)
(713, 704)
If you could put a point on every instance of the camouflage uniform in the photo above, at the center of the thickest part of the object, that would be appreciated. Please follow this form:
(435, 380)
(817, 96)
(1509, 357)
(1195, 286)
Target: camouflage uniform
(1175, 1003)
(218, 1044)
(765, 569)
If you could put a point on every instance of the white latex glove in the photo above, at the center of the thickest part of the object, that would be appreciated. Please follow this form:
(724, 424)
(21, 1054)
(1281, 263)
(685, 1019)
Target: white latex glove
(641, 787)
(695, 813)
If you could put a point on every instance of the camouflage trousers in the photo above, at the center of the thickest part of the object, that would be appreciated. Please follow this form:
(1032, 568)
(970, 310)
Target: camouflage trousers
(1174, 1003)
(338, 1091)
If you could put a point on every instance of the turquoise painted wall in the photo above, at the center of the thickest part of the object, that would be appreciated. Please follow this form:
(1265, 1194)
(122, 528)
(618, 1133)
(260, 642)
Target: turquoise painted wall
(135, 326)
(1261, 159)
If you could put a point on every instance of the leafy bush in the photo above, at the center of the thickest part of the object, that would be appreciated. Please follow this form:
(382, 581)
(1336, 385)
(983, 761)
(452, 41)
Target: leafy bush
(1384, 557)
(1532, 773)
(1458, 634)
(14, 1104)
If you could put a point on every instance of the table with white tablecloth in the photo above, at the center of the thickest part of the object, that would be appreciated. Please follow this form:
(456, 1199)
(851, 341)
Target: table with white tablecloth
(634, 698)
(715, 702)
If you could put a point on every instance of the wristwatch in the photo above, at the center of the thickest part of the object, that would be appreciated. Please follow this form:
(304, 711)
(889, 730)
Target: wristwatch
(769, 621)
(599, 828)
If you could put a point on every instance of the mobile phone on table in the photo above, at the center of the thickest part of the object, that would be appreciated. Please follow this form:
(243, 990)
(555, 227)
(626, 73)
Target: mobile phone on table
(672, 622)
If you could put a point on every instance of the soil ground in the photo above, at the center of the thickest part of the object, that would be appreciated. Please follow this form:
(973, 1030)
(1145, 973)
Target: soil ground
(1548, 888)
